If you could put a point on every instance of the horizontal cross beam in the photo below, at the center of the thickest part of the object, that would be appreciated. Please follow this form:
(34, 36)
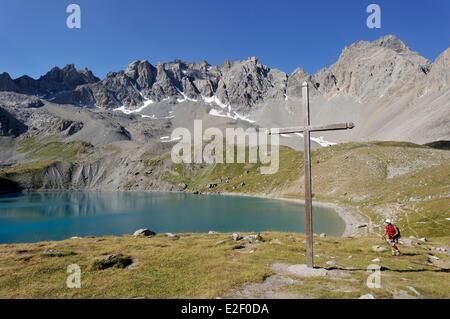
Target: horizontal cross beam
(312, 128)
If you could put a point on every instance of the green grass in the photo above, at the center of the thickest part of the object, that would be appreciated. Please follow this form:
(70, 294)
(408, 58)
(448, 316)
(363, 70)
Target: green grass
(26, 168)
(208, 266)
(54, 150)
(402, 180)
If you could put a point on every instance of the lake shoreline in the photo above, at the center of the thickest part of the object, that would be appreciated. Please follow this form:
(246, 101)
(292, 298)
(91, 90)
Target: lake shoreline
(351, 218)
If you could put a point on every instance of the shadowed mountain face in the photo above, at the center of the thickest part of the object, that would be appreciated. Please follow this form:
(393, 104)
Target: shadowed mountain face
(389, 91)
(53, 82)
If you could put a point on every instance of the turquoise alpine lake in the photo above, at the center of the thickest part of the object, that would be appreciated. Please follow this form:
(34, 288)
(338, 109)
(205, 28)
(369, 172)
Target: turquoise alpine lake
(32, 217)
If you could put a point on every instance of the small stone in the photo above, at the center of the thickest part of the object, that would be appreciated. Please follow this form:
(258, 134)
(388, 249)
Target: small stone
(253, 238)
(423, 239)
(376, 260)
(331, 262)
(362, 226)
(75, 237)
(143, 232)
(323, 235)
(367, 296)
(236, 237)
(50, 251)
(171, 235)
(349, 257)
(433, 257)
(441, 249)
(212, 232)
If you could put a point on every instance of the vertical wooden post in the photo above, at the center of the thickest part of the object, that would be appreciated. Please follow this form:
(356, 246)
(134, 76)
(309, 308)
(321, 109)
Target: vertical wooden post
(308, 186)
(306, 130)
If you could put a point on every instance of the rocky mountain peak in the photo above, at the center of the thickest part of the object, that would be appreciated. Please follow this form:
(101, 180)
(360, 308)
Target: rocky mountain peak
(67, 78)
(6, 83)
(69, 71)
(439, 75)
(299, 72)
(248, 82)
(142, 72)
(295, 81)
(367, 70)
(392, 42)
(364, 71)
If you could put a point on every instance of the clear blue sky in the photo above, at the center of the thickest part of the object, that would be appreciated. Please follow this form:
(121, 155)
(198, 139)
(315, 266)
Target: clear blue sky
(281, 33)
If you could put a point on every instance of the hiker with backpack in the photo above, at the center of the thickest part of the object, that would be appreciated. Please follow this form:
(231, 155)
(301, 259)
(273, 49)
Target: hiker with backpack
(392, 235)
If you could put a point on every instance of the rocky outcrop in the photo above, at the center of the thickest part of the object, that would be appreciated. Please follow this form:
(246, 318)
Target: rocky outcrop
(439, 76)
(10, 125)
(368, 70)
(67, 78)
(53, 82)
(247, 83)
(144, 232)
(295, 82)
(7, 84)
(364, 71)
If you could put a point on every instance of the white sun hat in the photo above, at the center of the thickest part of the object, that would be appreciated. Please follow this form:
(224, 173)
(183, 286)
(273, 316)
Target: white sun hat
(388, 221)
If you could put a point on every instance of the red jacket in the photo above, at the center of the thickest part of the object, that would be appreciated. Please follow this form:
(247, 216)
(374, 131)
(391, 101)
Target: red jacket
(391, 231)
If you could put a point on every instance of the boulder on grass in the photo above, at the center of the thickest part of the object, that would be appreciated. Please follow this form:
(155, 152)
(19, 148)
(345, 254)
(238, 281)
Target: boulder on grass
(253, 238)
(143, 232)
(172, 235)
(236, 237)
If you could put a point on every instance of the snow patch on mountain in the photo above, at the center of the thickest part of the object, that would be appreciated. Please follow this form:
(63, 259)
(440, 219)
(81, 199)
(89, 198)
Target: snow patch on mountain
(185, 98)
(216, 100)
(147, 103)
(234, 116)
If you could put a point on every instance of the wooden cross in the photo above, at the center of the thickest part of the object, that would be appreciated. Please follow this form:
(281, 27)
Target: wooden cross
(307, 129)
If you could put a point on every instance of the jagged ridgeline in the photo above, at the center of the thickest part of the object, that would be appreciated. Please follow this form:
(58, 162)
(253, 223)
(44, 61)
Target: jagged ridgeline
(389, 91)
